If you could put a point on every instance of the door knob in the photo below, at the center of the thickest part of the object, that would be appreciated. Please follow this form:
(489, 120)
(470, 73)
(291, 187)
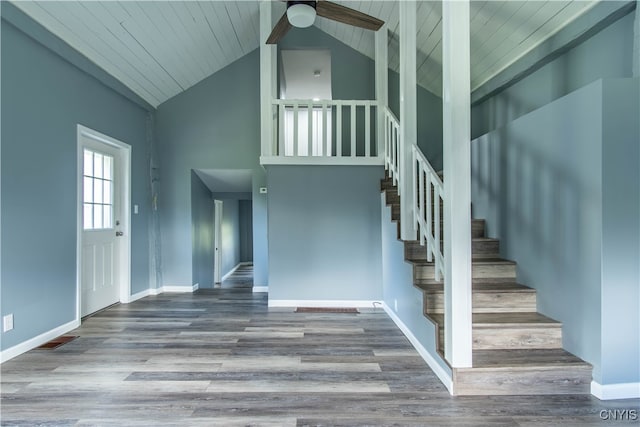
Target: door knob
(119, 233)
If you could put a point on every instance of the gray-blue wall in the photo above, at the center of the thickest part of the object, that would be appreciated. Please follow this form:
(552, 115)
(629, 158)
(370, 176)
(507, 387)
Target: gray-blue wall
(213, 125)
(556, 190)
(202, 243)
(620, 231)
(556, 177)
(43, 99)
(606, 54)
(324, 232)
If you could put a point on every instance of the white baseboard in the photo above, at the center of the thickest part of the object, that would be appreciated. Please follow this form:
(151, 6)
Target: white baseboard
(260, 289)
(137, 296)
(179, 289)
(615, 391)
(324, 303)
(34, 342)
(424, 353)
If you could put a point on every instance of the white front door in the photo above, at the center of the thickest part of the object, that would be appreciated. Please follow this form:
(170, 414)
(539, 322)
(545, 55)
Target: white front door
(101, 225)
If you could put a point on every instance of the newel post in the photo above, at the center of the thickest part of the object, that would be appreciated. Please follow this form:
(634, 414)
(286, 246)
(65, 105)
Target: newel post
(268, 76)
(456, 104)
(408, 114)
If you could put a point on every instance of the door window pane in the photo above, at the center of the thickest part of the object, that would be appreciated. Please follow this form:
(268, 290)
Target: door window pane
(97, 191)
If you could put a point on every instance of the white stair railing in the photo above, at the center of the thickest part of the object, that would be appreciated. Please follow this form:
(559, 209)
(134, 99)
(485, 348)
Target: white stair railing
(306, 128)
(392, 147)
(428, 191)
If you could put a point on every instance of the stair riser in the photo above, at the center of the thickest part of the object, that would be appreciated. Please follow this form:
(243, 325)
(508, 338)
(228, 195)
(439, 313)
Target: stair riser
(514, 338)
(487, 302)
(414, 251)
(423, 272)
(553, 380)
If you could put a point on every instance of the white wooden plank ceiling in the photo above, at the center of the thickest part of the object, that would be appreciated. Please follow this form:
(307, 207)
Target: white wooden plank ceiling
(161, 48)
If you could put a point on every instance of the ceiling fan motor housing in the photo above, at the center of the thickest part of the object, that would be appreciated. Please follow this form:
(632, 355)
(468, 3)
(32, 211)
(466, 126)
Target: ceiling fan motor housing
(301, 14)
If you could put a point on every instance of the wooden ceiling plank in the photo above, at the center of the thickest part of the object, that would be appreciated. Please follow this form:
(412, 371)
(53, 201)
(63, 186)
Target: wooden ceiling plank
(563, 16)
(195, 27)
(500, 33)
(229, 44)
(182, 40)
(250, 12)
(55, 26)
(98, 19)
(224, 22)
(143, 28)
(239, 27)
(526, 19)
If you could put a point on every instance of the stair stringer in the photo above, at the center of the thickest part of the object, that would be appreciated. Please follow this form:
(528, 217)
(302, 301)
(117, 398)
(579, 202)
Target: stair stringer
(398, 289)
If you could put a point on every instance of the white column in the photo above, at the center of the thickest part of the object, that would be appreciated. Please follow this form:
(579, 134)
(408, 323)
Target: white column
(382, 83)
(456, 104)
(268, 78)
(408, 113)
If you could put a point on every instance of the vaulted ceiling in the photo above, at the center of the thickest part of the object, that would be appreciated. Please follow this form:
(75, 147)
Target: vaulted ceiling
(161, 48)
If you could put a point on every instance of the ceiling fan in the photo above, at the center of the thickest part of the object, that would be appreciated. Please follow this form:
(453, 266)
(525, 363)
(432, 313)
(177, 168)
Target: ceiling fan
(302, 14)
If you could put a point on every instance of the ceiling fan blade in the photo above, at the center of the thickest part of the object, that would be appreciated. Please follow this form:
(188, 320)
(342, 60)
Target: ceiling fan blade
(278, 32)
(348, 16)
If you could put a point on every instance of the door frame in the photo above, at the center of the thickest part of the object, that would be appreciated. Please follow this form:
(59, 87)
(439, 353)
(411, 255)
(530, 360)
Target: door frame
(124, 243)
(217, 241)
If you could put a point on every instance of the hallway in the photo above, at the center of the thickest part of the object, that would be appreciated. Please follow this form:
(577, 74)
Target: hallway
(242, 277)
(220, 357)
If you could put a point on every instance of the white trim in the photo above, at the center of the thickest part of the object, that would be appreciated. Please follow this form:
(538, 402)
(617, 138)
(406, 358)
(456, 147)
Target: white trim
(322, 161)
(260, 289)
(124, 243)
(615, 391)
(424, 353)
(324, 303)
(34, 342)
(137, 296)
(177, 289)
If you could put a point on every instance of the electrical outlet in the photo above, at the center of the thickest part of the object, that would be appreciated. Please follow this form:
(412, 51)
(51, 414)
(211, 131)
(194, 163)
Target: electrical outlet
(7, 323)
(395, 305)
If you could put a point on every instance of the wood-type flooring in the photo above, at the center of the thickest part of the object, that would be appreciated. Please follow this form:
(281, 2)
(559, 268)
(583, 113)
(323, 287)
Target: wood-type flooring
(220, 357)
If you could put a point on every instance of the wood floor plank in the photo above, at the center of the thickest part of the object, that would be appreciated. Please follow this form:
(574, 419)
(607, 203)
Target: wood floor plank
(221, 357)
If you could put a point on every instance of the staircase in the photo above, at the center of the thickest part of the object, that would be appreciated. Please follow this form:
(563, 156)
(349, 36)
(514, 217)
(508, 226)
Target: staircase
(516, 350)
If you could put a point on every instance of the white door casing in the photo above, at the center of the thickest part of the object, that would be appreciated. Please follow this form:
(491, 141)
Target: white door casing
(217, 240)
(103, 253)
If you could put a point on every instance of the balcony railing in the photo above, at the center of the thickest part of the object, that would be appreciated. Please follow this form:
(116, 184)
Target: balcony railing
(333, 131)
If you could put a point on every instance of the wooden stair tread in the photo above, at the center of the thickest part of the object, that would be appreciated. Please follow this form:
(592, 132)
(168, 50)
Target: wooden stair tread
(516, 351)
(475, 259)
(527, 359)
(496, 286)
(516, 319)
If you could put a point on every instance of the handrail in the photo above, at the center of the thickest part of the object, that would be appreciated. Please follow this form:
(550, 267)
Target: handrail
(306, 128)
(427, 214)
(392, 147)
